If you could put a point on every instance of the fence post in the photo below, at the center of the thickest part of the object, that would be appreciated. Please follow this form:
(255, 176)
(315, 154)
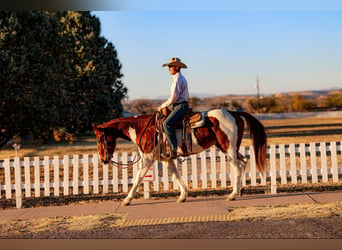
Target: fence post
(282, 160)
(252, 166)
(124, 158)
(303, 163)
(293, 169)
(7, 178)
(313, 162)
(46, 176)
(194, 170)
(36, 177)
(115, 174)
(324, 168)
(213, 166)
(66, 175)
(56, 175)
(105, 179)
(86, 174)
(273, 169)
(204, 169)
(27, 177)
(223, 170)
(95, 175)
(334, 161)
(75, 171)
(156, 177)
(17, 179)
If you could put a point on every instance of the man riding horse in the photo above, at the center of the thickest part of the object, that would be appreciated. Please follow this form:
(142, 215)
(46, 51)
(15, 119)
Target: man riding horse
(178, 101)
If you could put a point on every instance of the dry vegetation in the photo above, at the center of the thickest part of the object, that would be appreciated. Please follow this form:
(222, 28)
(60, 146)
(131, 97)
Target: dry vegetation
(54, 225)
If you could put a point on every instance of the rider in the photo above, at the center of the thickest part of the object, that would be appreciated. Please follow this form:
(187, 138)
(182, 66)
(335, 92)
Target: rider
(179, 100)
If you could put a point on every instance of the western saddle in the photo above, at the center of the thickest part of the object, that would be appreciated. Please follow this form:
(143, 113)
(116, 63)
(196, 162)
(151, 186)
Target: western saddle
(190, 121)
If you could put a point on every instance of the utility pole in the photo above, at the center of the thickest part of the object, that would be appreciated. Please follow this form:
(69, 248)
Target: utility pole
(258, 93)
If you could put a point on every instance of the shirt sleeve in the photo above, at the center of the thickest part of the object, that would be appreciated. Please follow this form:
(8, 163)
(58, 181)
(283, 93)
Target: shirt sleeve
(175, 91)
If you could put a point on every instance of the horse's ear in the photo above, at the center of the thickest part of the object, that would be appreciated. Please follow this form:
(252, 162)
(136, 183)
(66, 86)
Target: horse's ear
(97, 129)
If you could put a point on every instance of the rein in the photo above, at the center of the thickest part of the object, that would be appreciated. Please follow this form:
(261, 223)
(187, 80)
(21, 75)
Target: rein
(117, 164)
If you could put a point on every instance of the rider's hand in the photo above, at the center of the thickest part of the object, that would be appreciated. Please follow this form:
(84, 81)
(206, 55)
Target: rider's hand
(159, 109)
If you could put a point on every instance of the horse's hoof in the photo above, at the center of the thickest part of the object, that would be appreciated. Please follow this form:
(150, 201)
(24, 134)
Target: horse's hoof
(125, 203)
(181, 200)
(229, 198)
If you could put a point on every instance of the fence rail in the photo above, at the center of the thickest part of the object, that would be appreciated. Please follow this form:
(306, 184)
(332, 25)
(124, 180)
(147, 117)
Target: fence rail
(83, 174)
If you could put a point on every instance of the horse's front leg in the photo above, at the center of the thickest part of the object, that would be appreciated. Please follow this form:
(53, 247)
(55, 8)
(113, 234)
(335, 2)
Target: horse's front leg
(175, 174)
(146, 164)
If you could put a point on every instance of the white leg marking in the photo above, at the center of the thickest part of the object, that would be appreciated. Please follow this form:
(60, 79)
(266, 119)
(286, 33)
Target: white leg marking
(146, 162)
(229, 127)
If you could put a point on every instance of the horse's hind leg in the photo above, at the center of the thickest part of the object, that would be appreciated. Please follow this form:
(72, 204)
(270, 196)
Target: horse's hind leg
(175, 174)
(239, 170)
(146, 163)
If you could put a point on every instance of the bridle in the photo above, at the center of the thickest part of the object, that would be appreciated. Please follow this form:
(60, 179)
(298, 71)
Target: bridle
(134, 161)
(115, 163)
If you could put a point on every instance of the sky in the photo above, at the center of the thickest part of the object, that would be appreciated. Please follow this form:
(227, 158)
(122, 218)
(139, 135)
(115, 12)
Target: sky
(290, 48)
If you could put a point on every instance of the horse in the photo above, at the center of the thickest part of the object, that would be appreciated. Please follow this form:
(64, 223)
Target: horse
(222, 128)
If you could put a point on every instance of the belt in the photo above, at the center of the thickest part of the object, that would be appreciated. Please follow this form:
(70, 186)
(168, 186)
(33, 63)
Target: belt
(179, 103)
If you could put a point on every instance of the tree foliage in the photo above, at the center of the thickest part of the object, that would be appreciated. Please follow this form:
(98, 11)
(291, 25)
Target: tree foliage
(55, 71)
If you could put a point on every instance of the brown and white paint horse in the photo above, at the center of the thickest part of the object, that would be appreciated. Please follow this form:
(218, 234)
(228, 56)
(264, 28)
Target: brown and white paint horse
(222, 128)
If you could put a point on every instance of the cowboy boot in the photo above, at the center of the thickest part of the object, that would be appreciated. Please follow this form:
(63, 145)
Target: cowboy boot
(169, 155)
(173, 154)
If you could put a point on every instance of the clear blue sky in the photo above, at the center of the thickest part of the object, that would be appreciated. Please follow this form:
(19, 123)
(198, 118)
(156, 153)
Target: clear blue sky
(291, 49)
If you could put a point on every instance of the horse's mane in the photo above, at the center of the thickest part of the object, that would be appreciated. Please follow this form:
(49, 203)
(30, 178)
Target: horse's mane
(137, 119)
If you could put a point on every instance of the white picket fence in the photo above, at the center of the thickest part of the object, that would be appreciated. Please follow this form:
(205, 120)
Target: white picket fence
(83, 174)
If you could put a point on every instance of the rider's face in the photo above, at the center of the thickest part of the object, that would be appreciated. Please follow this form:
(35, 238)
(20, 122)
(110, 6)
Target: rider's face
(173, 70)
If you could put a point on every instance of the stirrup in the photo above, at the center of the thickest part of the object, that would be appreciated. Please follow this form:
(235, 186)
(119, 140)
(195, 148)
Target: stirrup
(168, 155)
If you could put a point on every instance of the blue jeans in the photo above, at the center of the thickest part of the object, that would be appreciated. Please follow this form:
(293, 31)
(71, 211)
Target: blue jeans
(177, 113)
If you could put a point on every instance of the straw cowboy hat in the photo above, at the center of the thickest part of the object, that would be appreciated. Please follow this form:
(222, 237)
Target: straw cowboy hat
(176, 62)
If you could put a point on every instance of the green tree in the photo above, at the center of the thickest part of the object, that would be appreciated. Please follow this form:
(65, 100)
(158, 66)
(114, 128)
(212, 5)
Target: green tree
(27, 71)
(55, 71)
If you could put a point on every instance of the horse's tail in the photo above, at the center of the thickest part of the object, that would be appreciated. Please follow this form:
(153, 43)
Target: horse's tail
(257, 132)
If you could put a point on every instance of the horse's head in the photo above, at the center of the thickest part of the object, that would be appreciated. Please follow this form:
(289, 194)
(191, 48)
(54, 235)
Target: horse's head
(106, 142)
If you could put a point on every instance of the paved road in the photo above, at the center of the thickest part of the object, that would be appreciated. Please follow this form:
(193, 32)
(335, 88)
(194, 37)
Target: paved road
(150, 219)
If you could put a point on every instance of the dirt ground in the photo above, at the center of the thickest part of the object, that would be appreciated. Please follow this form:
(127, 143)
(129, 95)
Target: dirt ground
(300, 228)
(296, 221)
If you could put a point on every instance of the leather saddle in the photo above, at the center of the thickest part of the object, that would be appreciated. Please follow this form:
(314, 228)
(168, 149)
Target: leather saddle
(194, 119)
(190, 121)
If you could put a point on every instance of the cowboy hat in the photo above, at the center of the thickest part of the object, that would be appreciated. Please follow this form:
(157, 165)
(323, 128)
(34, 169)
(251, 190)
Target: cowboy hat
(176, 62)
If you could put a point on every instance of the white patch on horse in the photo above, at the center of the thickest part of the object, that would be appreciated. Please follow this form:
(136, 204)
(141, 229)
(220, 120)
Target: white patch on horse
(227, 125)
(132, 134)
